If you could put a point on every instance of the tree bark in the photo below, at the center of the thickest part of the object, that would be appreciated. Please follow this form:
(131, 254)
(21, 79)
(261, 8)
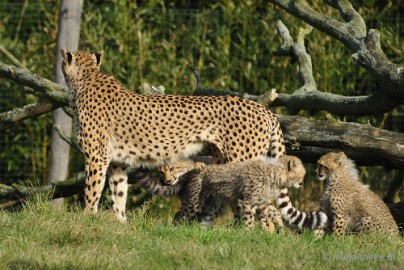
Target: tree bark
(14, 117)
(60, 189)
(68, 37)
(42, 87)
(367, 53)
(367, 145)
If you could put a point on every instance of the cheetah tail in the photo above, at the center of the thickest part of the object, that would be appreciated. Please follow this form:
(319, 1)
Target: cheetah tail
(153, 186)
(277, 144)
(313, 220)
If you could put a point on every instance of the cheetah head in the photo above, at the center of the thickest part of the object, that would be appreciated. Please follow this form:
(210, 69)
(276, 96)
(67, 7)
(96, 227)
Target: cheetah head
(333, 163)
(75, 65)
(172, 172)
(295, 170)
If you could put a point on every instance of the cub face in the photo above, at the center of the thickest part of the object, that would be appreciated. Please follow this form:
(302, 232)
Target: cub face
(322, 172)
(328, 163)
(295, 170)
(172, 172)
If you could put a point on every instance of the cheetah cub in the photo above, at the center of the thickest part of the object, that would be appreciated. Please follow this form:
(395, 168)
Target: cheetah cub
(350, 205)
(247, 186)
(316, 221)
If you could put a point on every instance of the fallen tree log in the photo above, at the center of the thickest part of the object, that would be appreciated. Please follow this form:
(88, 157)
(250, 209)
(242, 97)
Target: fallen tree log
(61, 189)
(367, 145)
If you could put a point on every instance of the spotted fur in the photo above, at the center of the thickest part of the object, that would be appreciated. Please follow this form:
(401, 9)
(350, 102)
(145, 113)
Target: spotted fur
(316, 221)
(247, 186)
(350, 205)
(116, 127)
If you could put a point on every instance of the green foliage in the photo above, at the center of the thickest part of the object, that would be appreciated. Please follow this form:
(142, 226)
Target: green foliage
(41, 237)
(228, 45)
(29, 32)
(230, 42)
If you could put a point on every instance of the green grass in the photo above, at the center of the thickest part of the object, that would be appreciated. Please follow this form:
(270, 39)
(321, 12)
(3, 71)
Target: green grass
(41, 237)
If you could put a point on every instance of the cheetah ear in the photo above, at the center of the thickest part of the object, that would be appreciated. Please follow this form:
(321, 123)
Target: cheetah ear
(98, 57)
(67, 56)
(291, 165)
(340, 158)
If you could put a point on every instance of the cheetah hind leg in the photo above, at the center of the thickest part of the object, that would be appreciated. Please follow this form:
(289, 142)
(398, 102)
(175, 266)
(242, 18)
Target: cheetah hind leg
(270, 217)
(366, 225)
(118, 184)
(210, 212)
(96, 169)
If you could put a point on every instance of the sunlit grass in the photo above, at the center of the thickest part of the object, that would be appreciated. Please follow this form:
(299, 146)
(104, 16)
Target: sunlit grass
(41, 237)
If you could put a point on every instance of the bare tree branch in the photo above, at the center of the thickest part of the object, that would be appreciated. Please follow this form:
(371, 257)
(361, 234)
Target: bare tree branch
(309, 98)
(315, 101)
(42, 86)
(352, 33)
(9, 204)
(11, 57)
(348, 33)
(58, 189)
(53, 95)
(14, 117)
(71, 141)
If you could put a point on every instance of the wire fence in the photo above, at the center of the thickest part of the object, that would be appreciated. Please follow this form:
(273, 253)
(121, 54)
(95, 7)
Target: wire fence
(29, 31)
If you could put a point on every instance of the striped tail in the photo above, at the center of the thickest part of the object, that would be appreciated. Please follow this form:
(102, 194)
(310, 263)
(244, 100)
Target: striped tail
(154, 186)
(314, 220)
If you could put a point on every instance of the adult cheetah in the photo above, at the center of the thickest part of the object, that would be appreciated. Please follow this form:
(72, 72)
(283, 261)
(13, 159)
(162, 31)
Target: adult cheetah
(116, 128)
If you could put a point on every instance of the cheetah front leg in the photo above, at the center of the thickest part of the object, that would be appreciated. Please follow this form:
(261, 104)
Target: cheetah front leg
(339, 225)
(247, 213)
(188, 212)
(118, 184)
(96, 169)
(190, 202)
